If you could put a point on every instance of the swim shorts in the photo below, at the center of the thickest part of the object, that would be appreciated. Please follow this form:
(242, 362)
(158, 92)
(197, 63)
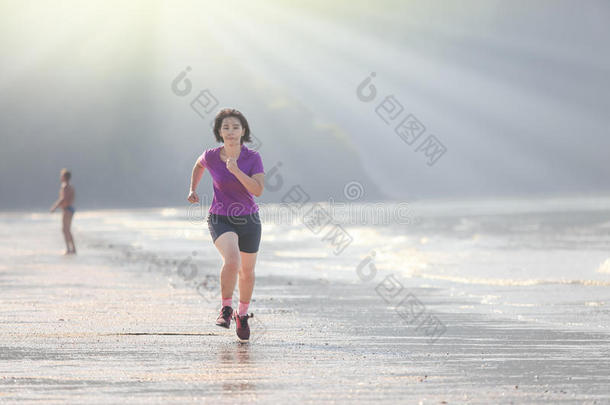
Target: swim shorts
(247, 227)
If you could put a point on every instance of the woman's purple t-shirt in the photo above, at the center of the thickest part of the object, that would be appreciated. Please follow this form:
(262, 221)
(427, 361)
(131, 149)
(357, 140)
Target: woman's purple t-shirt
(230, 196)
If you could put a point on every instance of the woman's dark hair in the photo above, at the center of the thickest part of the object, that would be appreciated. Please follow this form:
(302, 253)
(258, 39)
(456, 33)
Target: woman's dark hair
(231, 112)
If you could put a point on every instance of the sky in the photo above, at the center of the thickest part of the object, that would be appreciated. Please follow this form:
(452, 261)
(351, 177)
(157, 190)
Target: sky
(406, 99)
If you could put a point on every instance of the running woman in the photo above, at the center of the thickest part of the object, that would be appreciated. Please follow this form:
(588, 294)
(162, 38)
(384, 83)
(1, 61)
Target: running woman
(233, 220)
(66, 201)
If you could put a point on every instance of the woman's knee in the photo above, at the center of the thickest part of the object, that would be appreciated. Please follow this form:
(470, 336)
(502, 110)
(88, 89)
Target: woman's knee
(232, 263)
(246, 273)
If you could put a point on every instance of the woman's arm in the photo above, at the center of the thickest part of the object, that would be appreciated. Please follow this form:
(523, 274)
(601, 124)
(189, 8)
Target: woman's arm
(254, 184)
(196, 175)
(198, 170)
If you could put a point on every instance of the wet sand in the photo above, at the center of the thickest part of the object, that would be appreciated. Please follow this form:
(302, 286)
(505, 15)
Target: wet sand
(105, 326)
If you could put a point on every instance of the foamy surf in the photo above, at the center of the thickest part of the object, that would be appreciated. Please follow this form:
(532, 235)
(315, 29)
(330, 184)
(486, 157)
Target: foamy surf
(604, 267)
(509, 282)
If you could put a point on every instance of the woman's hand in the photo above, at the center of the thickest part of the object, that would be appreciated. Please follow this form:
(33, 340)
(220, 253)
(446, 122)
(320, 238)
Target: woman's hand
(193, 197)
(232, 166)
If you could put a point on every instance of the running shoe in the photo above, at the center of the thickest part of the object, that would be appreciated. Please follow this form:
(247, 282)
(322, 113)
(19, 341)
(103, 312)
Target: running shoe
(224, 318)
(241, 326)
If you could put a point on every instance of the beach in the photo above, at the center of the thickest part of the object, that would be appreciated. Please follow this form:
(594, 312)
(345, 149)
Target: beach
(486, 302)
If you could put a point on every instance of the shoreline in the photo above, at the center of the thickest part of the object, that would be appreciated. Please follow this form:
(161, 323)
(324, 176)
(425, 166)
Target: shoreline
(124, 332)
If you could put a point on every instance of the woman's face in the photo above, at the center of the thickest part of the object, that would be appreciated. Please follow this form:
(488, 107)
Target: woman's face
(231, 131)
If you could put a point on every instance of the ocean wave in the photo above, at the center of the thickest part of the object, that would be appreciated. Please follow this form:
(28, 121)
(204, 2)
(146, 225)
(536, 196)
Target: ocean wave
(509, 281)
(604, 267)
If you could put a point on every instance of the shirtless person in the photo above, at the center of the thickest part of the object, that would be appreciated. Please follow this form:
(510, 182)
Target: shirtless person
(65, 201)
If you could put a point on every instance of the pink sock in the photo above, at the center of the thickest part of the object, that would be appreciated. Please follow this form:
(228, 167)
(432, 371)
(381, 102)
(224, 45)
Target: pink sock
(226, 302)
(242, 309)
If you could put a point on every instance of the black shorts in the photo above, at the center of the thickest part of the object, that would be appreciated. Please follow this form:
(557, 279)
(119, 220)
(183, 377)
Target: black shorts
(247, 227)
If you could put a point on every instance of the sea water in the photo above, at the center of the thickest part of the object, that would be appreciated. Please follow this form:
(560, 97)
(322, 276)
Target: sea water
(544, 261)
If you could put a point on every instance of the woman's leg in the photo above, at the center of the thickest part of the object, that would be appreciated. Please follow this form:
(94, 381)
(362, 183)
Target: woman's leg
(227, 245)
(246, 285)
(248, 244)
(246, 276)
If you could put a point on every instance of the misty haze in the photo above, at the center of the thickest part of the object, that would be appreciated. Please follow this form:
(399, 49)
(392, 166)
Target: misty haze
(422, 194)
